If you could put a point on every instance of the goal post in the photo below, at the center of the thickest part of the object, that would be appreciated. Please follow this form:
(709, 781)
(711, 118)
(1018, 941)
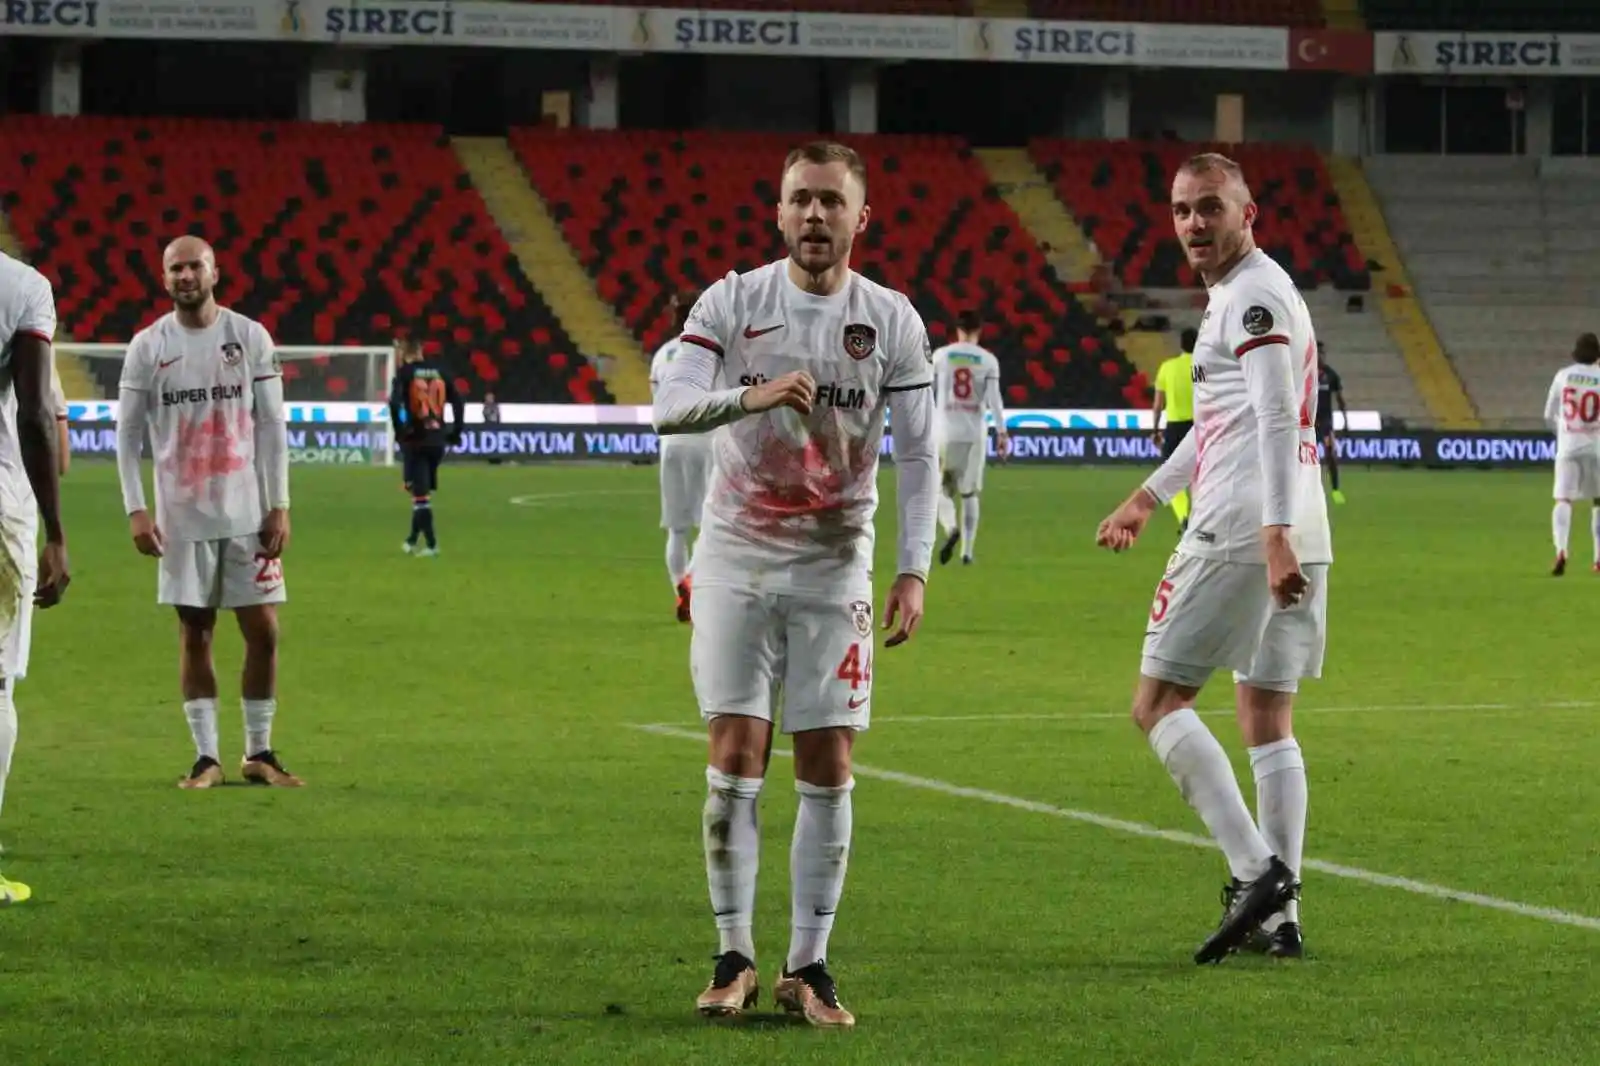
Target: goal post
(335, 386)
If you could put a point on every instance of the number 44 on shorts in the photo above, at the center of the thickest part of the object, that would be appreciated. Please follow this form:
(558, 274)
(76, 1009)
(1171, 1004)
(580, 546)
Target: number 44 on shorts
(856, 668)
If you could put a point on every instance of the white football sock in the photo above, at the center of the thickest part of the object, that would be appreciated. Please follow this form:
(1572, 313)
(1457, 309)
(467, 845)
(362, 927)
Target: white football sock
(969, 524)
(678, 555)
(947, 513)
(1594, 529)
(1280, 773)
(1561, 525)
(202, 715)
(258, 725)
(1205, 778)
(8, 737)
(818, 857)
(732, 839)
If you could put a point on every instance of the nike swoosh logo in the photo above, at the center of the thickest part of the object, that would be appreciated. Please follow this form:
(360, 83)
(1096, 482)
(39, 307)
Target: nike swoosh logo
(169, 362)
(752, 334)
(855, 702)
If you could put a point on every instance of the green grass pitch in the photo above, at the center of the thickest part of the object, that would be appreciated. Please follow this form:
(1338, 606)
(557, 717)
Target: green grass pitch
(492, 863)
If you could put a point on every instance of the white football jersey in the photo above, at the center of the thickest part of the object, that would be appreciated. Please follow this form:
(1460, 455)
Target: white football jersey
(1255, 307)
(27, 307)
(664, 355)
(792, 497)
(1573, 408)
(201, 386)
(687, 443)
(966, 383)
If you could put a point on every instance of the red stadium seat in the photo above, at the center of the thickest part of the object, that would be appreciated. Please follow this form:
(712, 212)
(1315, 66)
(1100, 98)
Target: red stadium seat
(651, 213)
(1120, 193)
(323, 232)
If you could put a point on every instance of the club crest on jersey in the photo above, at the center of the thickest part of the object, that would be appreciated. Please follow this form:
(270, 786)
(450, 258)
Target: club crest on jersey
(860, 340)
(861, 617)
(232, 353)
(1257, 320)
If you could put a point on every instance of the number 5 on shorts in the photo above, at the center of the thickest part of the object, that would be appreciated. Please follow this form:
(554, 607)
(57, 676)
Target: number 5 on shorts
(1158, 609)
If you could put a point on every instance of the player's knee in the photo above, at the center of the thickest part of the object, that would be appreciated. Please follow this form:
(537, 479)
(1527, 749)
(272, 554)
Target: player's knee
(1265, 710)
(1155, 698)
(739, 744)
(259, 628)
(822, 756)
(195, 627)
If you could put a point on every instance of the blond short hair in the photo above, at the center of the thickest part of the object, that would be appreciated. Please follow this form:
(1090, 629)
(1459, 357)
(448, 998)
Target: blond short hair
(1206, 162)
(824, 152)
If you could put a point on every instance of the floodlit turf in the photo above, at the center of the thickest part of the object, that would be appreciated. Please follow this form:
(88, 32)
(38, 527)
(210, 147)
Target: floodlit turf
(491, 864)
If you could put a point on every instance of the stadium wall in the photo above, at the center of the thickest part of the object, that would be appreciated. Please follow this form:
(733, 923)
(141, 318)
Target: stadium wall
(1037, 439)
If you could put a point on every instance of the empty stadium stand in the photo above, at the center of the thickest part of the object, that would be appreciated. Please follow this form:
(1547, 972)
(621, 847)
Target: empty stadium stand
(1119, 191)
(334, 235)
(652, 212)
(1530, 16)
(1120, 195)
(1227, 12)
(1503, 257)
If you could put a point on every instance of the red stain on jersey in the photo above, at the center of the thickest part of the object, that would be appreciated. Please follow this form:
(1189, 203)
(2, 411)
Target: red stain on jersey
(211, 446)
(805, 490)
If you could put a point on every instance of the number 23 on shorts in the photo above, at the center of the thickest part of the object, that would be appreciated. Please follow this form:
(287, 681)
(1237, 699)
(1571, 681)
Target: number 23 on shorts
(269, 572)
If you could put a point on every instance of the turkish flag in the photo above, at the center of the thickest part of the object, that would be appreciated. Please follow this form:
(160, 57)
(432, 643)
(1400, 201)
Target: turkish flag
(1345, 51)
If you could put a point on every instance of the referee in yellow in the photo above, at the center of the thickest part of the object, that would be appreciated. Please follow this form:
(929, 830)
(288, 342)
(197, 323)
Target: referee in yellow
(1175, 396)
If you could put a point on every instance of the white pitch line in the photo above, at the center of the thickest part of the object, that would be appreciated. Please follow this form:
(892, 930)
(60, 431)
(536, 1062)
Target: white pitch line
(538, 499)
(1175, 836)
(1073, 716)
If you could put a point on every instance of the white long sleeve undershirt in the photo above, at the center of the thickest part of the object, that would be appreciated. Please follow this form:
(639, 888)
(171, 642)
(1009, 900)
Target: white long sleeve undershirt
(1269, 375)
(916, 460)
(133, 414)
(272, 442)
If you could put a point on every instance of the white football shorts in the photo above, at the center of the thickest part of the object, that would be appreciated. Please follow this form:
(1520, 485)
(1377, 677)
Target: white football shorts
(685, 472)
(1578, 477)
(1210, 614)
(19, 571)
(754, 651)
(964, 462)
(225, 574)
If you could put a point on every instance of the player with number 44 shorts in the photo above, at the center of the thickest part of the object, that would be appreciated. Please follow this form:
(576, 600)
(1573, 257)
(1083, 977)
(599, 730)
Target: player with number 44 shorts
(815, 357)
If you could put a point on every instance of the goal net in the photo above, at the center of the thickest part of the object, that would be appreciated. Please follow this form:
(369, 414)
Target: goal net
(337, 397)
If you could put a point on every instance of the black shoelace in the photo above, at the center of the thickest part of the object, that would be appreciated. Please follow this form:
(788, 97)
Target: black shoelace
(820, 982)
(729, 966)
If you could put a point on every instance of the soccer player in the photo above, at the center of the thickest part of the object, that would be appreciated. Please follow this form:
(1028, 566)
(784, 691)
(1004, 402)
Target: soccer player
(685, 468)
(203, 383)
(966, 379)
(783, 567)
(1247, 588)
(1175, 397)
(1573, 410)
(417, 399)
(30, 490)
(1329, 388)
